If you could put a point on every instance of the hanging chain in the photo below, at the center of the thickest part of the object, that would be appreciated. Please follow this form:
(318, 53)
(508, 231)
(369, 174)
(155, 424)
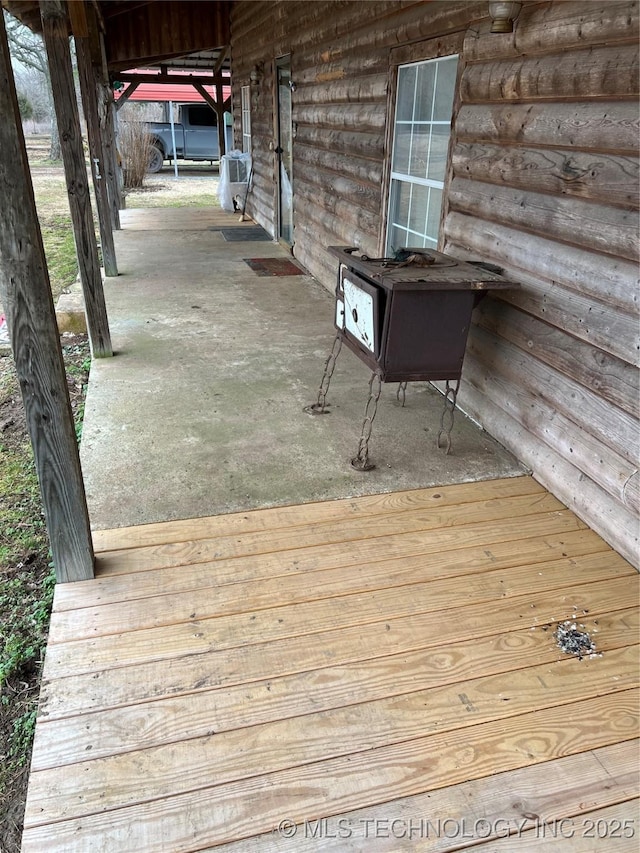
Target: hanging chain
(446, 419)
(319, 407)
(361, 461)
(401, 393)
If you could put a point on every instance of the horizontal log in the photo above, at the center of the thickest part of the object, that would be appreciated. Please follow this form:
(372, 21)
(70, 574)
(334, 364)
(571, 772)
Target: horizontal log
(368, 117)
(617, 525)
(599, 127)
(330, 189)
(356, 90)
(612, 281)
(583, 224)
(322, 65)
(341, 142)
(605, 375)
(359, 169)
(608, 424)
(597, 177)
(593, 72)
(606, 328)
(504, 386)
(348, 226)
(547, 27)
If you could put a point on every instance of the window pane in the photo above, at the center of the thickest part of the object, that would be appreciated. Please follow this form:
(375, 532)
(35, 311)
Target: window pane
(424, 91)
(445, 89)
(418, 213)
(400, 202)
(419, 150)
(401, 148)
(438, 152)
(397, 240)
(406, 88)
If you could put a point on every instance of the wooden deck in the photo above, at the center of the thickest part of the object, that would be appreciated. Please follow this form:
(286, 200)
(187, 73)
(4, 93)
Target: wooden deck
(370, 674)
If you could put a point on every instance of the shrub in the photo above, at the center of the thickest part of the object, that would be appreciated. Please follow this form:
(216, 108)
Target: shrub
(135, 150)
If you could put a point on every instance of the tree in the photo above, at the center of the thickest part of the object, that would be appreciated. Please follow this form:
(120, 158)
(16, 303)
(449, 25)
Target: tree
(28, 52)
(24, 105)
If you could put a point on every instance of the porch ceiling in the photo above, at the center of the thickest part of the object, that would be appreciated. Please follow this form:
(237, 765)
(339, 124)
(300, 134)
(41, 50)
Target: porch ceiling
(142, 33)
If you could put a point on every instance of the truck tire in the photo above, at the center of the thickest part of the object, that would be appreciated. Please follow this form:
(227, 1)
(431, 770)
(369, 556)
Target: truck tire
(156, 159)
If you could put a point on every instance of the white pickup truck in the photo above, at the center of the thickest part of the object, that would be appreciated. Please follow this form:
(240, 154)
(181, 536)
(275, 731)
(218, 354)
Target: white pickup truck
(196, 135)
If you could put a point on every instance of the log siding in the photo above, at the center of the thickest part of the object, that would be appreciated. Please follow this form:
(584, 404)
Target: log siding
(543, 180)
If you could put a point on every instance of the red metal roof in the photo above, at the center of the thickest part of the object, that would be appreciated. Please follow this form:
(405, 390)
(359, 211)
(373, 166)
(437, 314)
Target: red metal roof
(180, 93)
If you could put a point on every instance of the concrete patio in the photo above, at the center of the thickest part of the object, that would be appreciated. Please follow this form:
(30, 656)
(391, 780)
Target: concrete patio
(200, 411)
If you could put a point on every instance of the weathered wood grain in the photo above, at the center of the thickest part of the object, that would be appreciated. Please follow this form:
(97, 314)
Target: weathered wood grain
(54, 29)
(567, 432)
(604, 374)
(610, 426)
(548, 27)
(606, 515)
(25, 294)
(604, 127)
(98, 160)
(595, 72)
(612, 281)
(610, 331)
(610, 231)
(603, 178)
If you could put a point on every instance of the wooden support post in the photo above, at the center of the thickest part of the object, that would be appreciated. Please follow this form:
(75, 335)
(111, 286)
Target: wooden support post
(56, 39)
(220, 114)
(26, 297)
(96, 153)
(107, 112)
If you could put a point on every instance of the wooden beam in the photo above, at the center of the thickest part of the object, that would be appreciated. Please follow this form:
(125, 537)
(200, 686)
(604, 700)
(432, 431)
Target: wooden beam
(107, 114)
(98, 160)
(126, 94)
(54, 30)
(26, 296)
(221, 58)
(182, 79)
(220, 114)
(211, 101)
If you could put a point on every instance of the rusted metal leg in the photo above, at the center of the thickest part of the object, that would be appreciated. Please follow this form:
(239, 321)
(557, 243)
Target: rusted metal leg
(446, 419)
(361, 461)
(401, 393)
(320, 406)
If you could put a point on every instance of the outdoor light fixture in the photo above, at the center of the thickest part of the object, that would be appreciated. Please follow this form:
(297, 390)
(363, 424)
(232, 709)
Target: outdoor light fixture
(503, 15)
(256, 74)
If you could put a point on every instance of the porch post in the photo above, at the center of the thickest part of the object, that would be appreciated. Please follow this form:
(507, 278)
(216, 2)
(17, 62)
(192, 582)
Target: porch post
(26, 296)
(88, 88)
(56, 39)
(108, 132)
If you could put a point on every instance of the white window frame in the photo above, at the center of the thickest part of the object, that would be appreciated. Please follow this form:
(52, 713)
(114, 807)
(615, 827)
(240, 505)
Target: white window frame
(245, 96)
(432, 242)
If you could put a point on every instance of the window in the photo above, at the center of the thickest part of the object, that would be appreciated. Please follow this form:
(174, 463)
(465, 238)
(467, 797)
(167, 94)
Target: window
(424, 101)
(202, 116)
(246, 119)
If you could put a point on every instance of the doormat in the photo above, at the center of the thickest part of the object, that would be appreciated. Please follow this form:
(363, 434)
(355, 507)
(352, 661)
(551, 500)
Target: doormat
(273, 266)
(252, 233)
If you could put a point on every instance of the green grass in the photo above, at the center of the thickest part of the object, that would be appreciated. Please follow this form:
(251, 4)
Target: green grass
(60, 250)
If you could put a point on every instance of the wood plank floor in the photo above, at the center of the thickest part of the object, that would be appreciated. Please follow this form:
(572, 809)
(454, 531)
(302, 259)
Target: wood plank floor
(378, 673)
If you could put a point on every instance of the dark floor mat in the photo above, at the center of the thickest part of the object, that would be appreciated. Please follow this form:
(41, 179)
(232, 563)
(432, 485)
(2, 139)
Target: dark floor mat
(273, 266)
(247, 234)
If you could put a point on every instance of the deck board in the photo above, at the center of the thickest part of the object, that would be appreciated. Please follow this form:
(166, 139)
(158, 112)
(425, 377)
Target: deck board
(349, 659)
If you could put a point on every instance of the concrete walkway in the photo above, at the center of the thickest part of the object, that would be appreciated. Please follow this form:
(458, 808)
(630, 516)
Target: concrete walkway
(200, 411)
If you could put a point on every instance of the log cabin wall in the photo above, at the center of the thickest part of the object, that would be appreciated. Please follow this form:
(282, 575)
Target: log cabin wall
(543, 180)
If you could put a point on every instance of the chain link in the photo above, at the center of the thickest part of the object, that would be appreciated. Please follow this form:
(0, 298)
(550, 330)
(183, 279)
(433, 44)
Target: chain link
(401, 393)
(361, 461)
(446, 419)
(320, 406)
